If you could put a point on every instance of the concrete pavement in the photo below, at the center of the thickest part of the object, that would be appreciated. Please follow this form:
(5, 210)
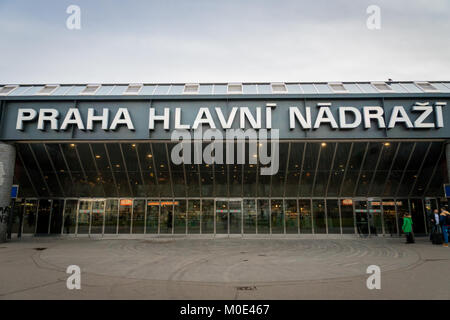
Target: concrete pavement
(184, 268)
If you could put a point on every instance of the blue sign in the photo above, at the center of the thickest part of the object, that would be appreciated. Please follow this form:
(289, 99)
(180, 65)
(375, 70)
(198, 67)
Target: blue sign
(447, 190)
(14, 191)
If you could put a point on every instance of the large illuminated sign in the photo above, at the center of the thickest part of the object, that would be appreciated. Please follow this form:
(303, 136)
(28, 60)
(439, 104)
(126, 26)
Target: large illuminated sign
(419, 116)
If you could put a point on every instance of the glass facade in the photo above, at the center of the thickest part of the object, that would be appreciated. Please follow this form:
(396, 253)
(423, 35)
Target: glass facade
(133, 188)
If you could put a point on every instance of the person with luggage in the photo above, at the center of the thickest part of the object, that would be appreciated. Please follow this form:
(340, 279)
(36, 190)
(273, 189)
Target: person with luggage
(407, 228)
(436, 233)
(444, 221)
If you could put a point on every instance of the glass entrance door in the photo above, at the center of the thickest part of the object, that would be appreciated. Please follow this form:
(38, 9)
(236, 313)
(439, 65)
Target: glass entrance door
(222, 216)
(229, 216)
(362, 226)
(91, 216)
(375, 220)
(235, 216)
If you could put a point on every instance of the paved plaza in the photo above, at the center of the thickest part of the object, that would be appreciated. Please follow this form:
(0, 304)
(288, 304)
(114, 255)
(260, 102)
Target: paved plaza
(223, 268)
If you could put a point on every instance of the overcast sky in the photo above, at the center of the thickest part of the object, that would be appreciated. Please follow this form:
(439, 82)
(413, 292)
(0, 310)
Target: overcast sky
(223, 41)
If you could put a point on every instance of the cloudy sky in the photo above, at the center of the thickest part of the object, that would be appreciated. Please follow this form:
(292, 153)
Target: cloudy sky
(223, 41)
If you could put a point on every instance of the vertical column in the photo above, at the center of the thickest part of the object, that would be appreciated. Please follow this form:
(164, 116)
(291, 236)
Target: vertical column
(7, 160)
(447, 157)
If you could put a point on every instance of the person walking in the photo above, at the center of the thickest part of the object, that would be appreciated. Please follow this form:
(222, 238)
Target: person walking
(435, 228)
(407, 228)
(434, 222)
(444, 221)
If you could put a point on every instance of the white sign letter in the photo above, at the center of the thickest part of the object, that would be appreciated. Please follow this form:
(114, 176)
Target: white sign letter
(24, 115)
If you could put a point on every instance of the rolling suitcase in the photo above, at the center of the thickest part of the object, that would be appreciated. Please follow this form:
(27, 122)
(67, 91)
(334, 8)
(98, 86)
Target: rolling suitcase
(436, 237)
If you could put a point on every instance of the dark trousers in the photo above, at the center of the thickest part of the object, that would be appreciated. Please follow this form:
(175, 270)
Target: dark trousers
(410, 237)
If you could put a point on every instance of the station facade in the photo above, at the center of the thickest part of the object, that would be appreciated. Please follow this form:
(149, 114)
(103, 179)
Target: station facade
(98, 159)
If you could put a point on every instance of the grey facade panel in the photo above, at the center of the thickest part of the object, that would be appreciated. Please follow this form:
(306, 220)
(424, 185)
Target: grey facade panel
(139, 113)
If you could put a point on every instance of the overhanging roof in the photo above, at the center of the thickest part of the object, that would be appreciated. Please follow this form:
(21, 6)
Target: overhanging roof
(224, 90)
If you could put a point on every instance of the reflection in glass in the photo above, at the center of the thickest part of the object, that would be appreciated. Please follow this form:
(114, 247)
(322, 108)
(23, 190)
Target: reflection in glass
(385, 163)
(249, 206)
(162, 169)
(98, 212)
(221, 216)
(304, 207)
(166, 218)
(84, 217)
(277, 216)
(323, 170)
(16, 216)
(249, 187)
(118, 167)
(337, 174)
(221, 180)
(348, 220)
(207, 179)
(29, 219)
(111, 216)
(263, 219)
(319, 216)
(291, 216)
(389, 217)
(353, 168)
(207, 216)
(278, 180)
(334, 222)
(398, 167)
(70, 216)
(294, 169)
(309, 168)
(153, 207)
(177, 170)
(194, 216)
(180, 216)
(370, 164)
(411, 171)
(56, 216)
(235, 216)
(361, 217)
(138, 216)
(374, 217)
(125, 207)
(192, 180)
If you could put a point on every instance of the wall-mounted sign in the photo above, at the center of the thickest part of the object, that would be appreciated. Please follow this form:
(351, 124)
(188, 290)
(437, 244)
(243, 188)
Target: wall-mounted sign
(347, 202)
(14, 191)
(162, 203)
(420, 115)
(126, 202)
(447, 190)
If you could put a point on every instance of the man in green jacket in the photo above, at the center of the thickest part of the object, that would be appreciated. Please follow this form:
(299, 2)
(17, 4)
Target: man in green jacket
(407, 228)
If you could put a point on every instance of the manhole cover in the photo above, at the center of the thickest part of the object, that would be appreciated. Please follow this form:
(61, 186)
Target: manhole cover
(262, 255)
(245, 260)
(246, 288)
(39, 249)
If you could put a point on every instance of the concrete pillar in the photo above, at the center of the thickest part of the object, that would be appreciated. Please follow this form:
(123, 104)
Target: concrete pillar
(7, 161)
